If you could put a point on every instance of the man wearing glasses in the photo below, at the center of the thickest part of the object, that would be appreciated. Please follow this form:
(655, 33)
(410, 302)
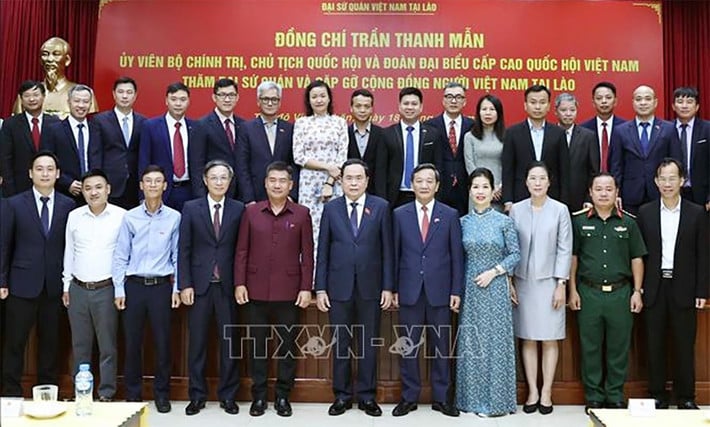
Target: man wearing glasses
(454, 125)
(216, 136)
(262, 141)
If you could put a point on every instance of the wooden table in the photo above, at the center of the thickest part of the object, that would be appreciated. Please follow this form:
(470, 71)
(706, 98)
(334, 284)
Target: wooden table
(119, 414)
(662, 418)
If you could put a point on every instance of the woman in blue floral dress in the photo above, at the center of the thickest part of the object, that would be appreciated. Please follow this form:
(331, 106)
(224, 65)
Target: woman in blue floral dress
(485, 370)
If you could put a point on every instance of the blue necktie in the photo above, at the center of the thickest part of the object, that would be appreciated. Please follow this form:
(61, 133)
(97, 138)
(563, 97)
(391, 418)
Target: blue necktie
(126, 131)
(644, 137)
(82, 157)
(353, 218)
(409, 158)
(44, 215)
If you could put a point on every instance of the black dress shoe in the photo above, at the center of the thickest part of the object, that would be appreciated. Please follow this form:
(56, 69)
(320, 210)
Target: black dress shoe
(445, 408)
(229, 406)
(194, 407)
(529, 409)
(283, 407)
(615, 405)
(544, 410)
(660, 403)
(163, 405)
(593, 404)
(258, 407)
(403, 408)
(370, 407)
(340, 406)
(133, 399)
(688, 404)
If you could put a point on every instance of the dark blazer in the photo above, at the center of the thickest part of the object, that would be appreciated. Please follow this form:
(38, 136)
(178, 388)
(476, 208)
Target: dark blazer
(390, 158)
(690, 260)
(518, 153)
(199, 247)
(591, 124)
(342, 256)
(29, 260)
(634, 171)
(59, 139)
(253, 155)
(437, 264)
(120, 161)
(700, 160)
(275, 272)
(16, 151)
(453, 166)
(209, 142)
(374, 140)
(584, 164)
(155, 149)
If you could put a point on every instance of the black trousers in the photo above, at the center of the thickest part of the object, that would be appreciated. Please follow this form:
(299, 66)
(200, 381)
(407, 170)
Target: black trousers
(25, 312)
(682, 322)
(277, 320)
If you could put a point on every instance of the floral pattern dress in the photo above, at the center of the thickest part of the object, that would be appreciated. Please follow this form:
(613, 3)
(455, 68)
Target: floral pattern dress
(485, 348)
(324, 139)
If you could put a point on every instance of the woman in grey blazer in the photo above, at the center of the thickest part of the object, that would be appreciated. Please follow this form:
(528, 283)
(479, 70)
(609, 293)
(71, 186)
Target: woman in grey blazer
(545, 233)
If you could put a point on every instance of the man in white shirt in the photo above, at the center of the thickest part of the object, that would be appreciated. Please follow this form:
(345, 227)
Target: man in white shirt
(604, 122)
(91, 235)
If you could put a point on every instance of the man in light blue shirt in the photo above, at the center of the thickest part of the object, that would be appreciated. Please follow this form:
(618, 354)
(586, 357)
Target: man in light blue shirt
(144, 270)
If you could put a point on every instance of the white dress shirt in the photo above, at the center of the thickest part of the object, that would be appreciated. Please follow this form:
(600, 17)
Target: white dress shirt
(670, 219)
(600, 130)
(29, 118)
(211, 202)
(538, 137)
(50, 204)
(90, 241)
(129, 118)
(183, 132)
(360, 207)
(420, 213)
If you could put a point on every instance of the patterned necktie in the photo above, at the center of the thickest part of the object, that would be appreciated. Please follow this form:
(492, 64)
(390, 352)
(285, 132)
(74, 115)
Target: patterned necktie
(452, 137)
(425, 223)
(644, 137)
(35, 132)
(686, 152)
(409, 158)
(82, 145)
(126, 131)
(605, 148)
(228, 130)
(178, 152)
(44, 215)
(353, 217)
(217, 226)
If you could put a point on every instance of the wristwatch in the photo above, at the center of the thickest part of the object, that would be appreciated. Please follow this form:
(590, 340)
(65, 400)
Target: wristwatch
(499, 270)
(639, 290)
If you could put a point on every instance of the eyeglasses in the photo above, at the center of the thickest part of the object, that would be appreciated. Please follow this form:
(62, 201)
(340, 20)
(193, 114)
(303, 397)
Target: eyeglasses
(457, 98)
(267, 100)
(226, 95)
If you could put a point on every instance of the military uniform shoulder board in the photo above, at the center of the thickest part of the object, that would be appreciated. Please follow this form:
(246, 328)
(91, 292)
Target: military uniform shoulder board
(629, 214)
(581, 211)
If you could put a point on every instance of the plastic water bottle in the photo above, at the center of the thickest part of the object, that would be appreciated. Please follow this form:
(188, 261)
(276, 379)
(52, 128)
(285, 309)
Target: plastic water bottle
(84, 390)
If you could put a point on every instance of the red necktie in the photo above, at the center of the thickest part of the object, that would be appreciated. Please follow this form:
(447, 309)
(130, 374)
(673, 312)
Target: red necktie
(178, 153)
(452, 137)
(217, 225)
(425, 223)
(228, 130)
(35, 132)
(605, 148)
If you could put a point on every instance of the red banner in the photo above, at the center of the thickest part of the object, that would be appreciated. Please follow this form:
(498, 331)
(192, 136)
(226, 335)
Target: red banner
(500, 47)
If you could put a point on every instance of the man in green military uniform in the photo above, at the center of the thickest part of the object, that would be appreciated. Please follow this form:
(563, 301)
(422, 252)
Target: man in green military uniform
(605, 287)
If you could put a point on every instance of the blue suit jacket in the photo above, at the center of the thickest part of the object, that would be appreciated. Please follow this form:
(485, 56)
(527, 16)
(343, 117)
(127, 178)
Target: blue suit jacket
(343, 256)
(30, 260)
(209, 142)
(633, 170)
(199, 247)
(155, 149)
(254, 155)
(119, 161)
(436, 264)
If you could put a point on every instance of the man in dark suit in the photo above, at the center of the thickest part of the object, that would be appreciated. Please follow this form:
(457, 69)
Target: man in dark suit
(20, 138)
(583, 152)
(76, 143)
(31, 272)
(264, 140)
(216, 135)
(274, 278)
(354, 280)
(641, 145)
(693, 135)
(535, 140)
(604, 122)
(165, 142)
(120, 135)
(429, 280)
(364, 137)
(675, 283)
(406, 144)
(454, 179)
(208, 237)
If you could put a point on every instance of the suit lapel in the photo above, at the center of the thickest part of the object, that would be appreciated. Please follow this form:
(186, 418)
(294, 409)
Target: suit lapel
(70, 137)
(633, 136)
(32, 208)
(206, 214)
(366, 217)
(343, 209)
(423, 133)
(683, 223)
(656, 226)
(163, 128)
(27, 132)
